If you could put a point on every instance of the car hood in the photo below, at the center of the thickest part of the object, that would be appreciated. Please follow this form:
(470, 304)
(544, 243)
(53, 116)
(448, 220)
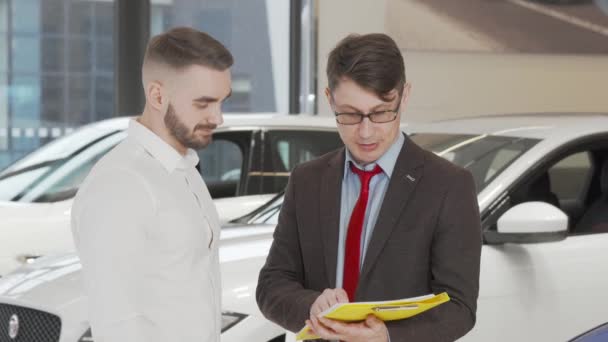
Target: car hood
(17, 212)
(53, 283)
(230, 208)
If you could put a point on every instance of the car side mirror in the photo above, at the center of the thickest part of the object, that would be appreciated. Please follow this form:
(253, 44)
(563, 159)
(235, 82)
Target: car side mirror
(530, 222)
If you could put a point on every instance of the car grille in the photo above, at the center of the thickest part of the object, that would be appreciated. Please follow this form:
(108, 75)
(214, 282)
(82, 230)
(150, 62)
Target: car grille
(34, 325)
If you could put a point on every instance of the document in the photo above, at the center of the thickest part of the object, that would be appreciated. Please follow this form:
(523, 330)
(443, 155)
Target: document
(386, 310)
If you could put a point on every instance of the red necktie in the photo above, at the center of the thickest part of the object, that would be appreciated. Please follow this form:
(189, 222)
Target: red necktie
(352, 254)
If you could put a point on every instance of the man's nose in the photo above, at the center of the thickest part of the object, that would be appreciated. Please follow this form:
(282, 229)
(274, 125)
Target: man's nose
(365, 128)
(217, 117)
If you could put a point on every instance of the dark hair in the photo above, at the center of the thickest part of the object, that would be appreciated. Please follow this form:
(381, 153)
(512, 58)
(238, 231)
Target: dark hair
(373, 61)
(181, 47)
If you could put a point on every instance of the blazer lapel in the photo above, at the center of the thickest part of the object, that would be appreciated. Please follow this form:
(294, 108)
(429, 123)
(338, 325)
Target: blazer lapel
(331, 193)
(405, 177)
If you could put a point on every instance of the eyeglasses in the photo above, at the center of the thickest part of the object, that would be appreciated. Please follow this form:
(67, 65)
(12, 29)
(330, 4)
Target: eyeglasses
(382, 116)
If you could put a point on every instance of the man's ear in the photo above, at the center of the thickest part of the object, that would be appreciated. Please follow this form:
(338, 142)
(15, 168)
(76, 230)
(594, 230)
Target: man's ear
(328, 95)
(407, 89)
(154, 95)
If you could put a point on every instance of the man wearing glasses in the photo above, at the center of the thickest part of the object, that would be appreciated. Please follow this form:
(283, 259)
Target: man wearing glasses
(380, 219)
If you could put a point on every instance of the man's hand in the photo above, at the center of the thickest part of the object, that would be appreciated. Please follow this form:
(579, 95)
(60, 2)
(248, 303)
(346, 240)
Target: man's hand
(370, 330)
(328, 298)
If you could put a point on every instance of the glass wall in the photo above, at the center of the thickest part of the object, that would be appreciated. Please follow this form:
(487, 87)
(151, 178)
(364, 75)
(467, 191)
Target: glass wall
(56, 70)
(57, 61)
(257, 34)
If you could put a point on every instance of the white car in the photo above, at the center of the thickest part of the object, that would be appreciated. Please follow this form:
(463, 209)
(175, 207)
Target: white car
(44, 302)
(542, 184)
(250, 157)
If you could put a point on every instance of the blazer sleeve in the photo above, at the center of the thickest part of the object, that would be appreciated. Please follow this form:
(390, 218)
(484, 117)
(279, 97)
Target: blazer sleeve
(280, 292)
(455, 262)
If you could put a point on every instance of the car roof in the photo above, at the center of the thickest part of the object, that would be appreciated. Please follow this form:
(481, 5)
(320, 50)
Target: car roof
(244, 120)
(527, 125)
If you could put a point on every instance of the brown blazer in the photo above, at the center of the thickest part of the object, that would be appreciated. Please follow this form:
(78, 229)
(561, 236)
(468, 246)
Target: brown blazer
(427, 239)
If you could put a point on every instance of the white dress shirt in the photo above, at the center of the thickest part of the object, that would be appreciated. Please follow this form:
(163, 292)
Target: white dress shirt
(147, 233)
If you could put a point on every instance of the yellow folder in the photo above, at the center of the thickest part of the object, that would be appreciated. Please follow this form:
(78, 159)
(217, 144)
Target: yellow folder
(387, 311)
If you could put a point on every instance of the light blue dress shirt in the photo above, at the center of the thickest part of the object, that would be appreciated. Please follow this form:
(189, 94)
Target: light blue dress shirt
(351, 186)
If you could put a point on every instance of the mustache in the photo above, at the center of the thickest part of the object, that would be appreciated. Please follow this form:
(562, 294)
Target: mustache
(205, 127)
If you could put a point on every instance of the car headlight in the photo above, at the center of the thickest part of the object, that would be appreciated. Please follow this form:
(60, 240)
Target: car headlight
(229, 319)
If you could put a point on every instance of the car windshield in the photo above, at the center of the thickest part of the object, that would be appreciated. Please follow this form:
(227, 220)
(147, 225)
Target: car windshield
(56, 176)
(485, 156)
(64, 147)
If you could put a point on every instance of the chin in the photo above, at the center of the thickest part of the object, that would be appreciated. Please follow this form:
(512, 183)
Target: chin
(366, 158)
(198, 144)
(202, 145)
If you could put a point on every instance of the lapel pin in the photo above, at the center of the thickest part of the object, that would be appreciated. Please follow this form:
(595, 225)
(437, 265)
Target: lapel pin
(412, 179)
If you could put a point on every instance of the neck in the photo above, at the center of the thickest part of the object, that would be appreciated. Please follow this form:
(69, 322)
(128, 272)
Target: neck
(362, 164)
(375, 161)
(153, 120)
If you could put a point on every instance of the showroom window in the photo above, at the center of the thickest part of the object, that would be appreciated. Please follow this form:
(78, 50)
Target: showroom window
(56, 70)
(57, 61)
(257, 34)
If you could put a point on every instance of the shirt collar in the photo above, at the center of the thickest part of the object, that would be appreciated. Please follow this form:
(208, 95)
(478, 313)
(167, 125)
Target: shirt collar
(386, 162)
(160, 150)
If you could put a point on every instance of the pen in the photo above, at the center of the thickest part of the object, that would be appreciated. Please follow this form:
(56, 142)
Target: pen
(396, 307)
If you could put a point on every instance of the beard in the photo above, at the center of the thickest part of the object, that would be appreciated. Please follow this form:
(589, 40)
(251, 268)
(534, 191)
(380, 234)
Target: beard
(183, 134)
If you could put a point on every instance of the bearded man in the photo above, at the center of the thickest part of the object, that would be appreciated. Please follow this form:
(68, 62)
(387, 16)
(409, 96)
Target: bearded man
(143, 221)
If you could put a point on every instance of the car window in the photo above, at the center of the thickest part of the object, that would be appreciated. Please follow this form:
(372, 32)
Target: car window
(563, 184)
(501, 158)
(570, 181)
(221, 163)
(286, 149)
(570, 176)
(290, 148)
(54, 180)
(485, 156)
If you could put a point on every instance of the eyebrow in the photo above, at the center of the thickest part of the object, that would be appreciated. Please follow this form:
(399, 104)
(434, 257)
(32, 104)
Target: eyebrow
(209, 99)
(374, 108)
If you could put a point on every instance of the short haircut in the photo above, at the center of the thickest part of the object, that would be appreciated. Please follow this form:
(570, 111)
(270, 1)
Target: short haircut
(372, 61)
(182, 47)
